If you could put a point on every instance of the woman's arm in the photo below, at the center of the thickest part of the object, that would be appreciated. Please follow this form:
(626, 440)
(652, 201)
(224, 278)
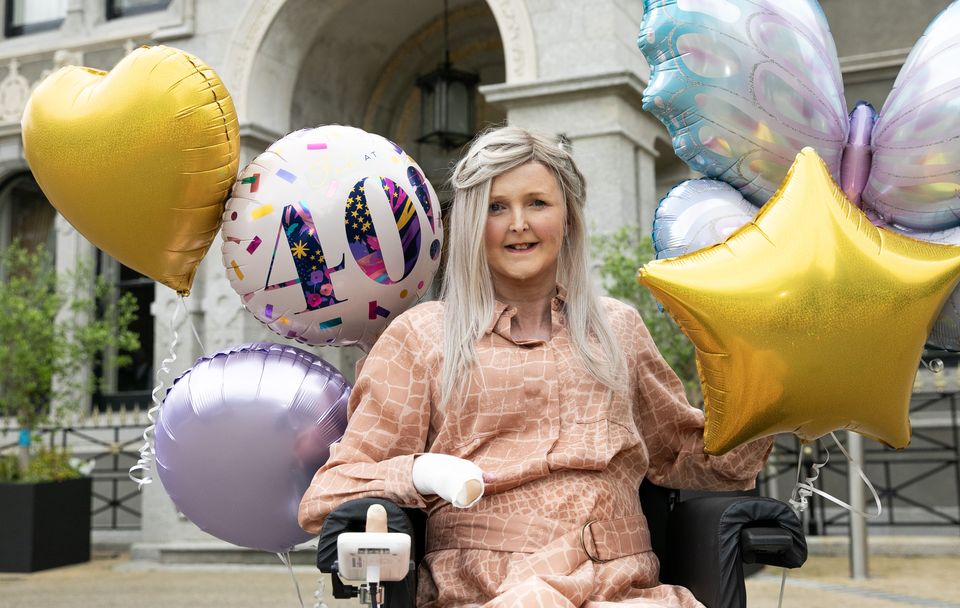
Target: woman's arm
(673, 431)
(389, 421)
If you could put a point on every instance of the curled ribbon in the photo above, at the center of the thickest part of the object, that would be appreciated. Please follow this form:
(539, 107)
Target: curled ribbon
(147, 455)
(805, 489)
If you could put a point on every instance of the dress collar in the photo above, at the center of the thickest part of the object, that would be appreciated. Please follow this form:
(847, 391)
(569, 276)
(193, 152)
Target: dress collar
(503, 316)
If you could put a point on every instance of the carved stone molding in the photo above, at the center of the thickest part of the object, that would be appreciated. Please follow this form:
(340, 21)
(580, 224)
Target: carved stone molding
(519, 46)
(627, 84)
(14, 92)
(246, 41)
(579, 97)
(65, 57)
(254, 139)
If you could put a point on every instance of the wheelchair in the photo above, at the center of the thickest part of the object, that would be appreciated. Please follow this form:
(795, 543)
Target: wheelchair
(705, 542)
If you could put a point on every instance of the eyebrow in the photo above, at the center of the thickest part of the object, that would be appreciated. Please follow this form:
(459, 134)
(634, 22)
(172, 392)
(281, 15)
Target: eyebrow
(494, 195)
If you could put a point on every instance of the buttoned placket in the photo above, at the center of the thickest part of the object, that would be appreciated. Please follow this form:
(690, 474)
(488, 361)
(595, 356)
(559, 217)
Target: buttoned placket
(542, 378)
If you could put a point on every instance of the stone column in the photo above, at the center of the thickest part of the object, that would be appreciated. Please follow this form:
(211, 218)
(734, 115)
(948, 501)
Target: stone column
(162, 527)
(73, 254)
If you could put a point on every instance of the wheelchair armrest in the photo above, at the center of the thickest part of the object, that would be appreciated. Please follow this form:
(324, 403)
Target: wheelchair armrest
(711, 537)
(351, 516)
(760, 545)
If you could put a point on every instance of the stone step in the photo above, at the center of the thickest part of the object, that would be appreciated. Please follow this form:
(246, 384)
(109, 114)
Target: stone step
(894, 546)
(215, 552)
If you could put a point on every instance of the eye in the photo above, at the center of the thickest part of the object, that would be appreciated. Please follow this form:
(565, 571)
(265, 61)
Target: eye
(539, 203)
(494, 208)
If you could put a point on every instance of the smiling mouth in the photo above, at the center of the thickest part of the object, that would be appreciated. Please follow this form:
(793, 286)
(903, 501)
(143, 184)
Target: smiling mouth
(522, 247)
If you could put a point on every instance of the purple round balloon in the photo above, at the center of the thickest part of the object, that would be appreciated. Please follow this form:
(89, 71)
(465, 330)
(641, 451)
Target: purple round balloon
(240, 436)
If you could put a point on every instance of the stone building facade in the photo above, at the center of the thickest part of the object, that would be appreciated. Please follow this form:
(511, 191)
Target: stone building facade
(565, 67)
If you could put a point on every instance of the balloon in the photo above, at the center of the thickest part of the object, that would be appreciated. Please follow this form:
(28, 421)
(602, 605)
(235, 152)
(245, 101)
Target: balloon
(702, 212)
(743, 85)
(808, 319)
(915, 174)
(240, 436)
(330, 234)
(698, 213)
(857, 154)
(140, 160)
(945, 334)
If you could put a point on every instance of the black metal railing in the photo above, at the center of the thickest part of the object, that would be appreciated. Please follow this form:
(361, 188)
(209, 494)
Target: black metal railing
(919, 487)
(112, 441)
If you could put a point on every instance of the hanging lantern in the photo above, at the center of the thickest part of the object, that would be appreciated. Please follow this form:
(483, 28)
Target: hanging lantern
(446, 101)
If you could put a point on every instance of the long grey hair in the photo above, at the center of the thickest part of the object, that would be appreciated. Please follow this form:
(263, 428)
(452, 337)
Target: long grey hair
(468, 287)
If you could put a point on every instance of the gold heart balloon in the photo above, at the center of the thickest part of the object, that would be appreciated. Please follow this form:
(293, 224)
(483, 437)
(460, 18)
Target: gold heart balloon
(140, 159)
(808, 319)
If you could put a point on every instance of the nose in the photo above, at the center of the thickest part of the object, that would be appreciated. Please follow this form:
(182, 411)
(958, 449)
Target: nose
(518, 220)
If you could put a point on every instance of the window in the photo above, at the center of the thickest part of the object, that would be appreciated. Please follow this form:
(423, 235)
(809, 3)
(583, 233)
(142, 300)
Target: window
(26, 215)
(30, 16)
(126, 8)
(128, 387)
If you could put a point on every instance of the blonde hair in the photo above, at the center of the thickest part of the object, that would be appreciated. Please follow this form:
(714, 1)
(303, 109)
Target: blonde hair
(468, 286)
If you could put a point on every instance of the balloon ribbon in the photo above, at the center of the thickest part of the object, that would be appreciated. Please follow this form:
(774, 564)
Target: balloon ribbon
(147, 454)
(803, 490)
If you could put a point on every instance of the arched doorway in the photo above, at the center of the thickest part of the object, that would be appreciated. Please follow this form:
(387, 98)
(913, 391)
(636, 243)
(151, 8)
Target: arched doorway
(372, 85)
(356, 63)
(274, 37)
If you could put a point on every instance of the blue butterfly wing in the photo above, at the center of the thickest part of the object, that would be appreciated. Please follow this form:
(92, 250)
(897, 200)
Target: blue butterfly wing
(743, 85)
(915, 173)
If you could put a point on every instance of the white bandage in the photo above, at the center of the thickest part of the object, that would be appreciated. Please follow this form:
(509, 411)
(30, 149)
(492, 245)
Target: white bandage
(458, 481)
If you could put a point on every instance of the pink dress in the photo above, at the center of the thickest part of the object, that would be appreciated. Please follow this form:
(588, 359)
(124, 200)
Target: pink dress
(562, 525)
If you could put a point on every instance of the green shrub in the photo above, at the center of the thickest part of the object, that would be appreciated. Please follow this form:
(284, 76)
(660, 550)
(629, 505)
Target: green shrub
(9, 469)
(620, 255)
(53, 327)
(46, 464)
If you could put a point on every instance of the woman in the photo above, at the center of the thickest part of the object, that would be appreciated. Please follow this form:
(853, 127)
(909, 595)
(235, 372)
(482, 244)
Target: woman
(520, 372)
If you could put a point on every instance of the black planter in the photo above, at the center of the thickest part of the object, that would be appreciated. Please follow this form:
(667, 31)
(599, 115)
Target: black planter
(44, 525)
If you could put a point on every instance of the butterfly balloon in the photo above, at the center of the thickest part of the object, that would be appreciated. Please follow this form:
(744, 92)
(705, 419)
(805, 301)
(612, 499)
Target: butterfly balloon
(744, 85)
(808, 319)
(698, 213)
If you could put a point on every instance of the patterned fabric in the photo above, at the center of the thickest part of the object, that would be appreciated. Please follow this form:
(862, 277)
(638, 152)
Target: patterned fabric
(565, 452)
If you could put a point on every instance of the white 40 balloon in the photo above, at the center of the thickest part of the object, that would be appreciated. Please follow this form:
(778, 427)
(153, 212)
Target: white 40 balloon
(330, 234)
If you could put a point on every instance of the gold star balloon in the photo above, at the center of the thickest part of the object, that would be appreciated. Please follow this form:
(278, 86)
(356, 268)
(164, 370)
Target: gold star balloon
(809, 318)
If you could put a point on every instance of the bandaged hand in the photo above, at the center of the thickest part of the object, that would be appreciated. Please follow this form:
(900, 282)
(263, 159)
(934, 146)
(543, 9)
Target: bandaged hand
(458, 481)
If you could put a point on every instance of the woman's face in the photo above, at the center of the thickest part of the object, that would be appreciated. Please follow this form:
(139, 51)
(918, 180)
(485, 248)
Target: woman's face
(526, 221)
